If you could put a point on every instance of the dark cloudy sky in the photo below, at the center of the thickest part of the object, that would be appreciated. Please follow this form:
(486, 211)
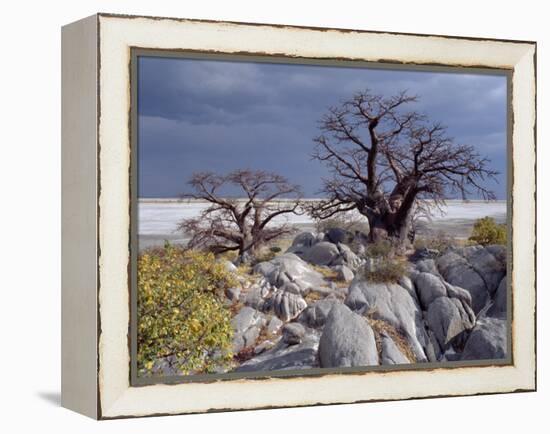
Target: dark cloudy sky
(197, 115)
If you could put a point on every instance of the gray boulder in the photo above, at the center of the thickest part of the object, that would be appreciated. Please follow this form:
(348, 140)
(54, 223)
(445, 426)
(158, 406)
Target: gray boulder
(289, 268)
(338, 235)
(258, 295)
(316, 314)
(407, 283)
(293, 333)
(458, 292)
(427, 266)
(284, 357)
(274, 325)
(293, 288)
(390, 353)
(394, 305)
(344, 273)
(247, 325)
(456, 270)
(233, 293)
(287, 305)
(448, 319)
(347, 257)
(429, 288)
(491, 269)
(305, 239)
(302, 243)
(488, 340)
(347, 340)
(498, 308)
(323, 253)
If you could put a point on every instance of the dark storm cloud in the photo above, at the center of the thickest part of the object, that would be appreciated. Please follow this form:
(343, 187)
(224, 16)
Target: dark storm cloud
(213, 115)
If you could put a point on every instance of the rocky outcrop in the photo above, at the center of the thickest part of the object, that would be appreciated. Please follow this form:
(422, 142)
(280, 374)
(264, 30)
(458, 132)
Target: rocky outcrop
(393, 304)
(449, 319)
(339, 235)
(316, 315)
(343, 273)
(293, 333)
(289, 268)
(488, 340)
(247, 325)
(429, 287)
(330, 251)
(477, 269)
(347, 340)
(390, 354)
(258, 296)
(323, 253)
(283, 357)
(308, 320)
(457, 271)
(498, 307)
(287, 305)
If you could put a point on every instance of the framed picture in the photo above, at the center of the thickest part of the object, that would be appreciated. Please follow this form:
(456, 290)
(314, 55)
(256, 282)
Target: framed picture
(261, 216)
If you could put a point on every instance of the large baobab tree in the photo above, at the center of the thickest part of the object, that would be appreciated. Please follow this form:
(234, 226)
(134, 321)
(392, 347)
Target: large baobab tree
(245, 223)
(386, 162)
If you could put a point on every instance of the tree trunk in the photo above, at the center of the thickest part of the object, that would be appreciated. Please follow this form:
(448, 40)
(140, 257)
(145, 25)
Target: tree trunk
(389, 227)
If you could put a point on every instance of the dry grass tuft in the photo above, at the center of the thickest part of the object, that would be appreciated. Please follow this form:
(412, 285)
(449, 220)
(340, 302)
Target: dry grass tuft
(385, 270)
(380, 327)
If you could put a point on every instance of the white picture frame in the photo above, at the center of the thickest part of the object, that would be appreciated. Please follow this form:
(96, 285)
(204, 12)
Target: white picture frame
(96, 136)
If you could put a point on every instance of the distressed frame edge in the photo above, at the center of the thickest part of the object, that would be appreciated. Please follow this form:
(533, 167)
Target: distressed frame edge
(529, 387)
(79, 141)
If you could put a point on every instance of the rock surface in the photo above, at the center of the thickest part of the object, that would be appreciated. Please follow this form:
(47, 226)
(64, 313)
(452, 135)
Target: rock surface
(457, 271)
(293, 333)
(284, 357)
(344, 273)
(487, 340)
(289, 268)
(316, 314)
(393, 304)
(287, 305)
(347, 340)
(448, 318)
(429, 288)
(247, 325)
(390, 353)
(498, 308)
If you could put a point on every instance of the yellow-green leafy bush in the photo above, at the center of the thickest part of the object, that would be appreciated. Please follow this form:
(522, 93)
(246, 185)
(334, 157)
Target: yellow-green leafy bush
(181, 316)
(487, 231)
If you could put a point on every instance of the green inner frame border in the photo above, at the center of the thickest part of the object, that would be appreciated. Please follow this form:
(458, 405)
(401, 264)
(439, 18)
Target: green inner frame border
(136, 53)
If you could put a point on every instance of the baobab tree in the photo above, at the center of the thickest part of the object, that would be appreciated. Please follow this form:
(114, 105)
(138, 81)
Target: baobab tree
(240, 224)
(386, 162)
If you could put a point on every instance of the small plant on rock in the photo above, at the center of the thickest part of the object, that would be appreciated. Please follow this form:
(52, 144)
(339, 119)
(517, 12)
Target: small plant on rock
(384, 270)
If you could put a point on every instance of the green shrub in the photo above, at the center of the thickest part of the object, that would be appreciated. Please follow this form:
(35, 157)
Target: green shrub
(384, 270)
(180, 311)
(487, 231)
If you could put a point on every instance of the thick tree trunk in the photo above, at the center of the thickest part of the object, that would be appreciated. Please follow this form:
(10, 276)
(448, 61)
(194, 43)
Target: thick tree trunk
(389, 227)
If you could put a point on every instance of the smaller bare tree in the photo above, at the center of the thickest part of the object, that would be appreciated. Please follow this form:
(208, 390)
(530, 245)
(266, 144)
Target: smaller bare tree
(245, 223)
